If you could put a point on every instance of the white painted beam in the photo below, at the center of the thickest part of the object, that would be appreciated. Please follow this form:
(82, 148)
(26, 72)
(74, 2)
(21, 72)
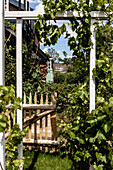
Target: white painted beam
(92, 66)
(32, 15)
(7, 5)
(19, 76)
(2, 78)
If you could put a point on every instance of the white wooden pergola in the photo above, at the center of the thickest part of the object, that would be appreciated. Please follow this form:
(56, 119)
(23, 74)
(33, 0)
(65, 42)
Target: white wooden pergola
(32, 15)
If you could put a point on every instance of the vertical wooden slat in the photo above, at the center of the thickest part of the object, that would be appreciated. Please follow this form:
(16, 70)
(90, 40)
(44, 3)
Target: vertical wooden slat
(25, 113)
(52, 98)
(35, 98)
(9, 123)
(14, 120)
(41, 128)
(46, 126)
(35, 128)
(41, 100)
(41, 132)
(30, 102)
(46, 129)
(53, 125)
(24, 103)
(47, 98)
(55, 98)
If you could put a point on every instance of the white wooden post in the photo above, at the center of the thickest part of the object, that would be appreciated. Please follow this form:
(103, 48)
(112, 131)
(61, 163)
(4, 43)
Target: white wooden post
(2, 78)
(7, 5)
(19, 76)
(92, 66)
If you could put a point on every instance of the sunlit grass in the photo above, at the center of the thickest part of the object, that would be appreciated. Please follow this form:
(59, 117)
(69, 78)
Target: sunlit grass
(45, 161)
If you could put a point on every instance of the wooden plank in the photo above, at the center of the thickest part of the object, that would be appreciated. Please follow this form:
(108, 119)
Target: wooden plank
(46, 126)
(41, 128)
(52, 99)
(39, 106)
(46, 130)
(9, 121)
(35, 98)
(24, 103)
(46, 142)
(30, 101)
(55, 97)
(53, 126)
(35, 127)
(32, 15)
(36, 118)
(47, 98)
(41, 132)
(41, 100)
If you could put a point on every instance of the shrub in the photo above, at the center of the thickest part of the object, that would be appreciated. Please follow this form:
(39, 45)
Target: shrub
(88, 137)
(59, 77)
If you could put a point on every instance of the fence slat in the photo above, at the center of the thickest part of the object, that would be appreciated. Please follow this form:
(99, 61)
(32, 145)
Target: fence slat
(41, 100)
(30, 102)
(46, 127)
(53, 125)
(41, 128)
(47, 98)
(35, 127)
(24, 103)
(52, 99)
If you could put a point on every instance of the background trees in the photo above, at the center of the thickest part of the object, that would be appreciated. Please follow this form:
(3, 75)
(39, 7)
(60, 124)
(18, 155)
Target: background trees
(85, 133)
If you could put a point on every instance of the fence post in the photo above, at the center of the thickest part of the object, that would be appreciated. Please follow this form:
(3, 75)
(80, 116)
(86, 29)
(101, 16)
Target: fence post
(92, 66)
(19, 76)
(2, 78)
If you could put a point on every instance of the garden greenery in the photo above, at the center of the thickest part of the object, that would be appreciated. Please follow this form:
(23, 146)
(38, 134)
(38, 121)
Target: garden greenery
(9, 101)
(87, 137)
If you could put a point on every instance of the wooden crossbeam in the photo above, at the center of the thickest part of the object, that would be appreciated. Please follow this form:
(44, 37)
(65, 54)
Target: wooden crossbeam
(36, 118)
(43, 142)
(32, 15)
(39, 106)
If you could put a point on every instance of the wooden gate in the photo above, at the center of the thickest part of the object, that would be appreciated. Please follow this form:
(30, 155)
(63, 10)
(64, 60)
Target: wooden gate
(39, 118)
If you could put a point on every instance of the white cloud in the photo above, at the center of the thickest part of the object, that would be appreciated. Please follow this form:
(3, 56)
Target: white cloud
(58, 51)
(40, 7)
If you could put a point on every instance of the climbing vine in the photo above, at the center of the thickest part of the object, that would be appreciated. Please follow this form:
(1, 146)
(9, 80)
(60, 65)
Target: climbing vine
(80, 43)
(86, 134)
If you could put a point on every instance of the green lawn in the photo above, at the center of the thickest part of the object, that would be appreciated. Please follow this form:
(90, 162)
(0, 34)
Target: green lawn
(45, 161)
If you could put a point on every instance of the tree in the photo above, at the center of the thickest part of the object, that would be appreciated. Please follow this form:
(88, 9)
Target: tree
(52, 53)
(86, 134)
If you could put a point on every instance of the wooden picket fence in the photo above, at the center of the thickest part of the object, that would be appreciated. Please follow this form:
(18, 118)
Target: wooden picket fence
(39, 118)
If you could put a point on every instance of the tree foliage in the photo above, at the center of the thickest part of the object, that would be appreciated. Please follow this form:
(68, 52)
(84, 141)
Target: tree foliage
(85, 134)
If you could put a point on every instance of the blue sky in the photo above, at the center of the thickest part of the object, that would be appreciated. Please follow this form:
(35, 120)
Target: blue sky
(34, 3)
(62, 43)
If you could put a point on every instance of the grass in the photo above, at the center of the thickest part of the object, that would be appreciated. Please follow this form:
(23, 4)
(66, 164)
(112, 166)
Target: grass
(35, 160)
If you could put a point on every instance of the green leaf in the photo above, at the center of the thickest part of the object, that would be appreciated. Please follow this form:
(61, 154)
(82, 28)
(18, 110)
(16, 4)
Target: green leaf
(100, 118)
(107, 127)
(3, 124)
(111, 102)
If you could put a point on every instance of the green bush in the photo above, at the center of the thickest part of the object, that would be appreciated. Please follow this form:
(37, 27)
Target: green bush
(59, 77)
(72, 78)
(88, 136)
(14, 139)
(69, 78)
